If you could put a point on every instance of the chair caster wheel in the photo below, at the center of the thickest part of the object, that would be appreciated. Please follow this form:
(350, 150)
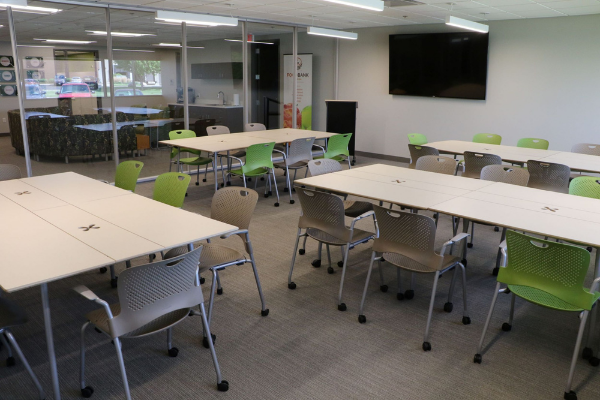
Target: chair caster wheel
(292, 201)
(186, 195)
(264, 313)
(203, 180)
(409, 294)
(103, 270)
(228, 183)
(221, 185)
(330, 270)
(202, 280)
(97, 330)
(470, 245)
(223, 386)
(496, 229)
(383, 288)
(113, 282)
(362, 319)
(342, 307)
(464, 262)
(589, 249)
(477, 359)
(495, 271)
(266, 195)
(173, 351)
(399, 296)
(587, 353)
(506, 327)
(205, 340)
(270, 193)
(594, 361)
(291, 285)
(426, 346)
(466, 320)
(340, 264)
(10, 362)
(197, 183)
(316, 263)
(276, 204)
(285, 190)
(262, 178)
(220, 291)
(448, 307)
(570, 396)
(301, 252)
(87, 392)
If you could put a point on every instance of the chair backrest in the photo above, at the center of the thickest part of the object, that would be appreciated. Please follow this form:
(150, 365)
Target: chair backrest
(555, 268)
(258, 156)
(300, 150)
(180, 134)
(417, 138)
(254, 126)
(170, 188)
(323, 166)
(127, 174)
(338, 145)
(407, 234)
(475, 162)
(488, 138)
(150, 291)
(505, 174)
(439, 164)
(217, 130)
(322, 211)
(585, 186)
(234, 206)
(548, 176)
(533, 143)
(417, 151)
(586, 148)
(9, 171)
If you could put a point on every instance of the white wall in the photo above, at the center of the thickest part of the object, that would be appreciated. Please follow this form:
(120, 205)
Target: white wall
(543, 81)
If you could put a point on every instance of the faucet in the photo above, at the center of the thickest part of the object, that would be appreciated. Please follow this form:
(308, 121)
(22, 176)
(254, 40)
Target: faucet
(219, 96)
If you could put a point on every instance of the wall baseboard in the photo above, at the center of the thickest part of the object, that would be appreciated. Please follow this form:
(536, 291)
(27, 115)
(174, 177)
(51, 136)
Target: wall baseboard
(4, 134)
(382, 156)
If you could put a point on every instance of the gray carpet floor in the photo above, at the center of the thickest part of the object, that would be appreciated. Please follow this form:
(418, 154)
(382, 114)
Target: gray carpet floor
(305, 348)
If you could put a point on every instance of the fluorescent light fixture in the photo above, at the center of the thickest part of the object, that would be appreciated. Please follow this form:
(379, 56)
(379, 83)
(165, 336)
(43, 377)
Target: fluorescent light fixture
(466, 24)
(140, 51)
(25, 45)
(373, 5)
(195, 19)
(67, 41)
(21, 6)
(332, 33)
(120, 34)
(249, 41)
(175, 45)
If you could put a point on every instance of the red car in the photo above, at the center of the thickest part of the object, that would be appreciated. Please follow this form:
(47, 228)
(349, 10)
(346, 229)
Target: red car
(72, 90)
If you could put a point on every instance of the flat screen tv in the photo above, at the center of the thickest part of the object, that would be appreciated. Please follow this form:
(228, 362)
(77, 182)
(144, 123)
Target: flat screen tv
(451, 65)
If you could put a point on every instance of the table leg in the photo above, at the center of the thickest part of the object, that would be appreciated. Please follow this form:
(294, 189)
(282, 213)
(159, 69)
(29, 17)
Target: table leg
(215, 171)
(157, 137)
(597, 263)
(179, 169)
(465, 230)
(50, 341)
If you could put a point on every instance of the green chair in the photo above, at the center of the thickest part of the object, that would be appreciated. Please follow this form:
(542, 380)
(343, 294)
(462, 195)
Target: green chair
(258, 163)
(533, 143)
(417, 139)
(170, 188)
(337, 148)
(488, 138)
(127, 174)
(193, 161)
(585, 186)
(549, 274)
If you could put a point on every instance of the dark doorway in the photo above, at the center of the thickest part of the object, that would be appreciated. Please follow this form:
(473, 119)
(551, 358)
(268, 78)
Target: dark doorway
(264, 78)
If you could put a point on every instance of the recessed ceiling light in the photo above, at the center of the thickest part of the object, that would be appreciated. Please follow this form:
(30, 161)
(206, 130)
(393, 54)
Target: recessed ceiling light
(140, 51)
(175, 45)
(120, 34)
(373, 5)
(195, 19)
(249, 41)
(67, 41)
(21, 6)
(331, 33)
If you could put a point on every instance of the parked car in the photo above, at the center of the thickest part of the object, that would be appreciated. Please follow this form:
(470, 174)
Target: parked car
(128, 92)
(59, 80)
(91, 81)
(72, 90)
(76, 79)
(34, 91)
(32, 82)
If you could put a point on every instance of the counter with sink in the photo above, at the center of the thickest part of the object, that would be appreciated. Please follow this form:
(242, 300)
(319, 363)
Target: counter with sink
(228, 115)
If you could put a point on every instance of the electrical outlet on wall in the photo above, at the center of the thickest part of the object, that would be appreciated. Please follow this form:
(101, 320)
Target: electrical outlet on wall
(3, 119)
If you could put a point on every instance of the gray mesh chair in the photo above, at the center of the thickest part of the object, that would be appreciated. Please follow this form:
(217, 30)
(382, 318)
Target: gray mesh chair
(586, 148)
(438, 164)
(322, 219)
(233, 206)
(407, 241)
(254, 127)
(152, 298)
(10, 316)
(299, 154)
(223, 130)
(473, 163)
(9, 171)
(548, 176)
(420, 151)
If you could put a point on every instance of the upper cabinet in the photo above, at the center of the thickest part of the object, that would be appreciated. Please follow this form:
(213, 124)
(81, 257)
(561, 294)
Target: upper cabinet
(223, 70)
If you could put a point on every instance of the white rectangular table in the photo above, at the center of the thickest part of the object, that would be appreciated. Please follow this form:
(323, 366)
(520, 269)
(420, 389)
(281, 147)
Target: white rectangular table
(57, 226)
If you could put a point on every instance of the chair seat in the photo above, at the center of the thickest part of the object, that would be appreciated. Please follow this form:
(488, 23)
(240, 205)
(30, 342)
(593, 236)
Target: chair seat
(545, 299)
(11, 314)
(195, 160)
(255, 172)
(216, 254)
(411, 265)
(100, 320)
(356, 208)
(339, 158)
(296, 165)
(323, 237)
(192, 151)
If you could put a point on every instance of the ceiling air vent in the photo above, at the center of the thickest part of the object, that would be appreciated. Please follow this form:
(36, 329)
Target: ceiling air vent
(402, 3)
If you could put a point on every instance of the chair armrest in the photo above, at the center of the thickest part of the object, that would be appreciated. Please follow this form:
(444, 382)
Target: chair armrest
(455, 239)
(239, 231)
(88, 294)
(365, 215)
(239, 159)
(504, 254)
(595, 285)
(321, 147)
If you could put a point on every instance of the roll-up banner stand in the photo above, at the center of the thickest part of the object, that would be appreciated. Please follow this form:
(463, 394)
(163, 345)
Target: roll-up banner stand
(303, 106)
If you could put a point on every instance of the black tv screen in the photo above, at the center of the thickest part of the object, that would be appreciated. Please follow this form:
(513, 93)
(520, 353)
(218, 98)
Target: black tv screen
(452, 65)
